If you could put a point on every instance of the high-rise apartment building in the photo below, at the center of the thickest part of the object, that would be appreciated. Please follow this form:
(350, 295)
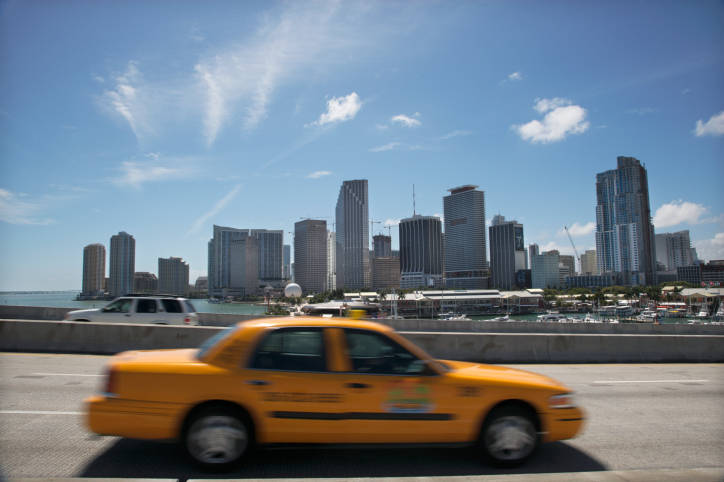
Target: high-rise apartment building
(145, 282)
(589, 265)
(270, 244)
(233, 263)
(331, 260)
(352, 236)
(122, 264)
(310, 255)
(287, 262)
(507, 252)
(382, 246)
(545, 271)
(94, 269)
(421, 255)
(624, 232)
(466, 258)
(673, 250)
(173, 276)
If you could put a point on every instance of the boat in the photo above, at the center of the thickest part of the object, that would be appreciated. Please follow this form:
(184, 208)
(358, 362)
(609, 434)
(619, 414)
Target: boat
(453, 316)
(500, 318)
(552, 317)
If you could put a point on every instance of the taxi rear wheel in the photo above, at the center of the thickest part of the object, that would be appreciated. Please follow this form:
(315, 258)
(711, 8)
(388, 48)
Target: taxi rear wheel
(509, 436)
(217, 438)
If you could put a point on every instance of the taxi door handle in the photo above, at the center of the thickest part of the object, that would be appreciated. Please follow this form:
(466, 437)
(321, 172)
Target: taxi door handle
(257, 382)
(356, 385)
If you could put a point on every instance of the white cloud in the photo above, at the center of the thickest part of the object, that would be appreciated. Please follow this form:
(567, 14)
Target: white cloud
(135, 174)
(515, 76)
(561, 119)
(16, 211)
(387, 147)
(123, 98)
(438, 215)
(713, 127)
(678, 212)
(340, 109)
(318, 174)
(457, 133)
(709, 249)
(579, 229)
(220, 204)
(406, 121)
(392, 222)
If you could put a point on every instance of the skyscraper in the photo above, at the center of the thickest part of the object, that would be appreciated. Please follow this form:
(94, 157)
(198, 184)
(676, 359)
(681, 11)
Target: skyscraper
(270, 244)
(382, 246)
(123, 264)
(331, 260)
(507, 252)
(466, 259)
(588, 262)
(173, 276)
(94, 269)
(287, 260)
(421, 252)
(674, 250)
(233, 263)
(310, 255)
(569, 262)
(545, 272)
(533, 250)
(352, 238)
(624, 232)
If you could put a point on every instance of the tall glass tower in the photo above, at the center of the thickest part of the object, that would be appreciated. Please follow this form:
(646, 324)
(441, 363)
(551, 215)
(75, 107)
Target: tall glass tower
(122, 264)
(352, 224)
(624, 232)
(466, 259)
(421, 252)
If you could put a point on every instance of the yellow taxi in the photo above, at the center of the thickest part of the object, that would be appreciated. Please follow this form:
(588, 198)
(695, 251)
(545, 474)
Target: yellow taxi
(327, 381)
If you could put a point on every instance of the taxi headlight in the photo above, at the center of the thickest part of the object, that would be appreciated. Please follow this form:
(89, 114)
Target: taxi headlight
(564, 400)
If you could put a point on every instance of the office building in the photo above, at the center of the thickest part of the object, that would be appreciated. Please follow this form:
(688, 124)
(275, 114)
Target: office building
(507, 252)
(145, 282)
(202, 284)
(589, 264)
(421, 256)
(382, 245)
(173, 276)
(466, 258)
(545, 271)
(533, 250)
(270, 245)
(689, 274)
(233, 263)
(569, 262)
(712, 273)
(331, 261)
(122, 264)
(385, 273)
(310, 255)
(624, 232)
(352, 236)
(673, 250)
(287, 262)
(94, 270)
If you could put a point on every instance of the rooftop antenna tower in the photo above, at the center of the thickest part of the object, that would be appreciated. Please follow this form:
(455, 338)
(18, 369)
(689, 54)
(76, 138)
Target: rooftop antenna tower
(413, 201)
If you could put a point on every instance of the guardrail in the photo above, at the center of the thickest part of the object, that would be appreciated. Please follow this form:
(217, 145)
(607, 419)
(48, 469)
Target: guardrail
(102, 338)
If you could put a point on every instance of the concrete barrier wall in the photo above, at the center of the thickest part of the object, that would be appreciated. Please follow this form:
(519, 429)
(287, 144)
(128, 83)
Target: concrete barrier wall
(98, 338)
(463, 326)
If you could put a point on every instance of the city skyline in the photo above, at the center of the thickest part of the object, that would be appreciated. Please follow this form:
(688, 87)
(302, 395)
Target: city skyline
(158, 131)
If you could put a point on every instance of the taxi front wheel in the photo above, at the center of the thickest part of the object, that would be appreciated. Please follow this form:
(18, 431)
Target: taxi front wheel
(509, 436)
(216, 438)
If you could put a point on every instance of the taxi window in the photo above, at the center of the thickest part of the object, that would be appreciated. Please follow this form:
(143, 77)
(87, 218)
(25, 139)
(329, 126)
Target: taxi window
(291, 349)
(374, 353)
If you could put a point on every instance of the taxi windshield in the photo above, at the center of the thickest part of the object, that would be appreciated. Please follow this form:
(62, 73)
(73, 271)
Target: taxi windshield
(211, 342)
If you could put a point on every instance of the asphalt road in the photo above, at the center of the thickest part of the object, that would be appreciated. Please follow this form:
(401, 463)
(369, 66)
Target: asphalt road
(639, 417)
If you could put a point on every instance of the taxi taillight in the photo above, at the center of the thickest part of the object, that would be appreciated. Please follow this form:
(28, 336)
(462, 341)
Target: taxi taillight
(111, 382)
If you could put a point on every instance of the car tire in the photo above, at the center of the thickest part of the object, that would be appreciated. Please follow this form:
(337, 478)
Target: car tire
(216, 438)
(509, 436)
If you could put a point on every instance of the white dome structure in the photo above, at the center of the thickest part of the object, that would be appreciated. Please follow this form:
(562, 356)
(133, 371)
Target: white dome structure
(292, 290)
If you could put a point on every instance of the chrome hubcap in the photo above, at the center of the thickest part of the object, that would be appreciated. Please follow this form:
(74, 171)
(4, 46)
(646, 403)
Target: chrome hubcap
(217, 439)
(510, 438)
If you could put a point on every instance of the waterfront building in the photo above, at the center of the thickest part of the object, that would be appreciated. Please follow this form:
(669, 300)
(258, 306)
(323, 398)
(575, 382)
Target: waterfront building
(569, 262)
(201, 284)
(624, 232)
(466, 259)
(233, 263)
(270, 245)
(589, 264)
(94, 270)
(533, 250)
(383, 246)
(673, 250)
(173, 276)
(145, 283)
(122, 264)
(385, 272)
(593, 281)
(507, 252)
(331, 260)
(287, 262)
(523, 279)
(352, 236)
(690, 274)
(310, 255)
(712, 273)
(421, 255)
(545, 271)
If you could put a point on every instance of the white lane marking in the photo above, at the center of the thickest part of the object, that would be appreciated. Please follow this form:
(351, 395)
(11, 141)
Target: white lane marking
(66, 375)
(37, 412)
(606, 382)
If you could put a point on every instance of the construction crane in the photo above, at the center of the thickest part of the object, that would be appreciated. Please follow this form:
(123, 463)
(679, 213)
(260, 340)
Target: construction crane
(372, 223)
(574, 248)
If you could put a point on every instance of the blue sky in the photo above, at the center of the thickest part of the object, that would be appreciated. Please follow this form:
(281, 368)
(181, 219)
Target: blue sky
(164, 118)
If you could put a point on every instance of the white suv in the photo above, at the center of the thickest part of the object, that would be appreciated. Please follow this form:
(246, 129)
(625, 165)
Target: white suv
(156, 309)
